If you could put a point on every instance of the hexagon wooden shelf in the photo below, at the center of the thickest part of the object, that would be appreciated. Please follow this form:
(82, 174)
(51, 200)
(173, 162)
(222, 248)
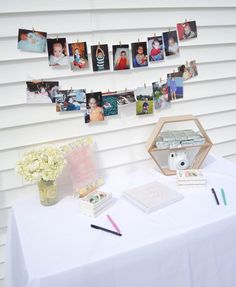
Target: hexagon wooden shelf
(200, 150)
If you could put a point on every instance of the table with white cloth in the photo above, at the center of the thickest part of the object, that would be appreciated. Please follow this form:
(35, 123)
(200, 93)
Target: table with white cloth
(191, 243)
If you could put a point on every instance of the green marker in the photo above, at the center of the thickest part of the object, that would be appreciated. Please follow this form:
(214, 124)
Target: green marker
(223, 196)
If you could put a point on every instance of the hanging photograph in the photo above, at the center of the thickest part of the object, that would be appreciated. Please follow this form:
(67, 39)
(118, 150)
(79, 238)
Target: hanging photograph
(41, 92)
(175, 86)
(110, 106)
(189, 70)
(32, 41)
(160, 94)
(171, 43)
(139, 54)
(121, 57)
(144, 100)
(100, 57)
(125, 98)
(71, 100)
(155, 49)
(57, 52)
(78, 56)
(94, 105)
(187, 30)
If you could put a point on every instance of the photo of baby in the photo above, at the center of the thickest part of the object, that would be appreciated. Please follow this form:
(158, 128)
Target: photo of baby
(71, 100)
(187, 30)
(120, 57)
(100, 57)
(160, 94)
(144, 100)
(155, 49)
(171, 43)
(139, 54)
(57, 52)
(94, 105)
(78, 56)
(189, 70)
(110, 106)
(31, 41)
(125, 98)
(175, 86)
(40, 92)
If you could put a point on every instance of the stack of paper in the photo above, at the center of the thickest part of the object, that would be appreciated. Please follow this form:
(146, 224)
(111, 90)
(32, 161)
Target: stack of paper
(190, 177)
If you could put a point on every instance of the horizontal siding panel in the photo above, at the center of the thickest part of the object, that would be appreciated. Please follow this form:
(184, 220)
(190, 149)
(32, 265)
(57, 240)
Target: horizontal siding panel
(224, 148)
(2, 258)
(39, 68)
(118, 136)
(4, 216)
(206, 36)
(52, 131)
(231, 158)
(3, 235)
(98, 20)
(43, 5)
(9, 196)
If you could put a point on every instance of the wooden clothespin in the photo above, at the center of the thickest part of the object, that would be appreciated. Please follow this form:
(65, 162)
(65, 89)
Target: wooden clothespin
(91, 92)
(120, 43)
(145, 86)
(155, 35)
(57, 36)
(160, 80)
(186, 20)
(186, 63)
(33, 29)
(138, 40)
(126, 90)
(99, 44)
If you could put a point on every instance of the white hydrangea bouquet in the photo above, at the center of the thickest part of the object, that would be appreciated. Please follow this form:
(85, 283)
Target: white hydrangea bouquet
(43, 166)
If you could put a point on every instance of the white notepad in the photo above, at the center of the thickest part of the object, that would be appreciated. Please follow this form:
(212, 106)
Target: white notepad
(152, 196)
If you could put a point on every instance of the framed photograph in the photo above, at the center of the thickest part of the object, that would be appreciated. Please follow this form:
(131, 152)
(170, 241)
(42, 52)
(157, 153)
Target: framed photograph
(155, 49)
(94, 105)
(100, 57)
(121, 57)
(78, 56)
(139, 54)
(189, 70)
(41, 92)
(32, 41)
(144, 100)
(57, 52)
(110, 106)
(187, 30)
(160, 94)
(71, 100)
(171, 43)
(175, 86)
(125, 98)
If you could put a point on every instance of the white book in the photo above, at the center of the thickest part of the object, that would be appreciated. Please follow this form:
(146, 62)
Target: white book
(152, 196)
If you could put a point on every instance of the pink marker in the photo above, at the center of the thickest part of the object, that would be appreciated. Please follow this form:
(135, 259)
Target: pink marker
(113, 224)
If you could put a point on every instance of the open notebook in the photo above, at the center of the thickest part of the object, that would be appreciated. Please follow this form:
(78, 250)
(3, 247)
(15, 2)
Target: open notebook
(152, 196)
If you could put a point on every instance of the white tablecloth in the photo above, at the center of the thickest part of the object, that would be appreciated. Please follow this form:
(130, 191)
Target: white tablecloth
(191, 243)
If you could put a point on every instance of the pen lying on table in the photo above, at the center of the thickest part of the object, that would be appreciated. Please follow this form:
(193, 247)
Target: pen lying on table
(106, 230)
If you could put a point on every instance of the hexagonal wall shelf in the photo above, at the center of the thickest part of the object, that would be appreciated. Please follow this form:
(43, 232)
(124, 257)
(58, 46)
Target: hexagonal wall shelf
(173, 135)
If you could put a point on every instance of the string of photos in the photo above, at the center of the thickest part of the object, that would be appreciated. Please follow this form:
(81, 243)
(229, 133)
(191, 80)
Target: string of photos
(97, 105)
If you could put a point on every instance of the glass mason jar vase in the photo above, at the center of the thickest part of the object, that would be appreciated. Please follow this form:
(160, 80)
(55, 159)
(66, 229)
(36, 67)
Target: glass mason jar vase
(47, 192)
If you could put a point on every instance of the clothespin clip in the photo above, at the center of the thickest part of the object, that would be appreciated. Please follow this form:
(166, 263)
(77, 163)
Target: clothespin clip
(160, 80)
(138, 40)
(77, 41)
(169, 30)
(186, 20)
(33, 29)
(91, 92)
(155, 35)
(120, 43)
(186, 63)
(126, 90)
(173, 71)
(99, 44)
(145, 86)
(57, 36)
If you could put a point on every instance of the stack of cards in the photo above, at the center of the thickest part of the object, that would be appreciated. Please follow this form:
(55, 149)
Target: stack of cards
(95, 203)
(190, 177)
